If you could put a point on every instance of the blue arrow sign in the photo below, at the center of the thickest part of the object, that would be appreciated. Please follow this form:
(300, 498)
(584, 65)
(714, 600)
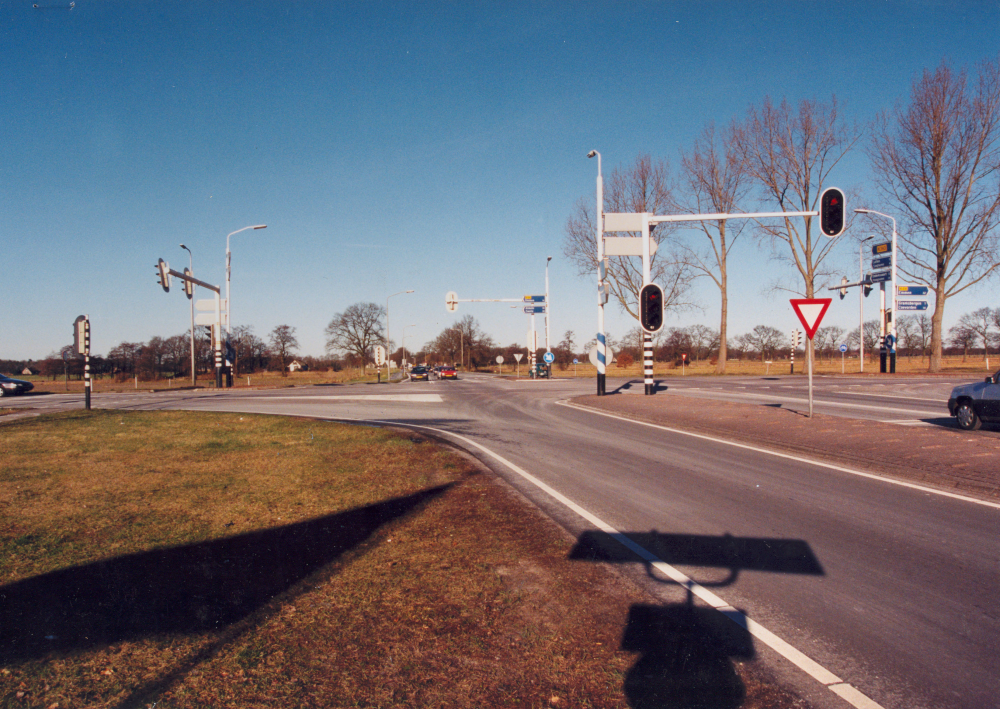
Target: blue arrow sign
(843, 348)
(534, 299)
(548, 358)
(883, 248)
(911, 305)
(532, 309)
(883, 262)
(881, 276)
(911, 290)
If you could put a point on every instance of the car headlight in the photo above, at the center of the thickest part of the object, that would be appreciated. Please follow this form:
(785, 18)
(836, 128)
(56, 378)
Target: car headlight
(9, 385)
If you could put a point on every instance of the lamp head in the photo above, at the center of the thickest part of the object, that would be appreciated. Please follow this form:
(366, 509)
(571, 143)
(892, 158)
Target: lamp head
(592, 153)
(862, 211)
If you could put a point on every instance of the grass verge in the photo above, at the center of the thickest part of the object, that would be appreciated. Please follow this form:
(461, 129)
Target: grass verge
(190, 560)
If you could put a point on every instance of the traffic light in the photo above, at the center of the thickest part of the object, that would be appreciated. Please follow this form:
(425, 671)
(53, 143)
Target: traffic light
(651, 307)
(831, 212)
(843, 287)
(163, 273)
(188, 285)
(81, 335)
(868, 284)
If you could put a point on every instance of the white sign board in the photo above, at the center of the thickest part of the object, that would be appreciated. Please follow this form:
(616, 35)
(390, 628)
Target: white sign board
(609, 355)
(499, 359)
(626, 246)
(379, 356)
(204, 319)
(623, 221)
(209, 305)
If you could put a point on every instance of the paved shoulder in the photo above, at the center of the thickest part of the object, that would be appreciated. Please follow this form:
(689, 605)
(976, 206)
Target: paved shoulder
(938, 456)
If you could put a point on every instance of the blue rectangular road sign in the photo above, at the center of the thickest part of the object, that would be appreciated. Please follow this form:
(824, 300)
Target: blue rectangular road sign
(883, 248)
(882, 262)
(532, 309)
(911, 305)
(534, 299)
(881, 276)
(911, 290)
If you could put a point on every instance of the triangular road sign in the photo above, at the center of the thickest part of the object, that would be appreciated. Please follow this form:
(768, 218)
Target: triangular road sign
(810, 312)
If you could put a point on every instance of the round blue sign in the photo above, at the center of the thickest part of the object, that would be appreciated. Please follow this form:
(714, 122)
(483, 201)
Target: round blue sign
(576, 361)
(843, 348)
(548, 358)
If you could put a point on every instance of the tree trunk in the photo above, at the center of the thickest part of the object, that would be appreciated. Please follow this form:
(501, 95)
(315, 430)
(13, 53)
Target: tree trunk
(936, 324)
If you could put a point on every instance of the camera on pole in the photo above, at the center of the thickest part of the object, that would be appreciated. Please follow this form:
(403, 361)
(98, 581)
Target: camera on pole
(651, 307)
(831, 212)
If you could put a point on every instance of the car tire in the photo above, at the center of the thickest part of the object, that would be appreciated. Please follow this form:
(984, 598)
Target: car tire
(967, 418)
(3, 392)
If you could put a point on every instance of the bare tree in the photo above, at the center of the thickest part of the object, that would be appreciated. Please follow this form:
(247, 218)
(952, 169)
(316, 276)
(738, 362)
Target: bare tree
(790, 155)
(714, 180)
(937, 162)
(357, 331)
(764, 340)
(642, 187)
(980, 324)
(962, 336)
(283, 343)
(827, 338)
(872, 334)
(704, 341)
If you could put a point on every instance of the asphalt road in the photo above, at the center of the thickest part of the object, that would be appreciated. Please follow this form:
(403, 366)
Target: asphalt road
(891, 589)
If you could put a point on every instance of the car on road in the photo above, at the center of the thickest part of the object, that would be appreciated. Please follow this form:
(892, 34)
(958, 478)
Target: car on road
(972, 404)
(12, 387)
(447, 372)
(420, 373)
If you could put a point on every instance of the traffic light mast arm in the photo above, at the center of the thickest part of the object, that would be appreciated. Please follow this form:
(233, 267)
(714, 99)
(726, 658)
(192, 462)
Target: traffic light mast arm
(192, 279)
(722, 216)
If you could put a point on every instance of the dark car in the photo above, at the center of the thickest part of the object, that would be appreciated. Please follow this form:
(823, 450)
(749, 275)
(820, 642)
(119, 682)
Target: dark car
(420, 373)
(11, 387)
(972, 404)
(447, 372)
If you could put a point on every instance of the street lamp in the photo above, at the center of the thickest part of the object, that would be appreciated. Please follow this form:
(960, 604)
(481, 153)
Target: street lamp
(388, 372)
(599, 221)
(229, 320)
(861, 300)
(191, 268)
(892, 327)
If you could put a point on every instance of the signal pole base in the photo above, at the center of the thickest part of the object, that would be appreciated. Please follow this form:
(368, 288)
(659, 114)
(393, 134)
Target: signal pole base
(649, 389)
(600, 384)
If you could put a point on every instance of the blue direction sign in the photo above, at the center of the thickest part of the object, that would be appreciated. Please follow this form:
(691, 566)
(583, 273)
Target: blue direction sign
(911, 290)
(911, 305)
(534, 299)
(881, 276)
(532, 309)
(883, 262)
(884, 248)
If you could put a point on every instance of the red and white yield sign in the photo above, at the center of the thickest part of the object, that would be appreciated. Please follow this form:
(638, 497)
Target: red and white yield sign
(810, 312)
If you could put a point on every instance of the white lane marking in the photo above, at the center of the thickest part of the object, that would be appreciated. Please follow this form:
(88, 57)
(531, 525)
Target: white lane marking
(888, 396)
(911, 422)
(822, 675)
(414, 398)
(787, 456)
(767, 397)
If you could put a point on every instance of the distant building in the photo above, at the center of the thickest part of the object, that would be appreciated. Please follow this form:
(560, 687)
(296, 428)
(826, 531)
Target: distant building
(28, 371)
(296, 366)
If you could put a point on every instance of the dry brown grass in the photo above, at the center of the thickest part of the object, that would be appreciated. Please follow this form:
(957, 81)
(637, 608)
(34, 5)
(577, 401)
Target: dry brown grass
(192, 560)
(904, 365)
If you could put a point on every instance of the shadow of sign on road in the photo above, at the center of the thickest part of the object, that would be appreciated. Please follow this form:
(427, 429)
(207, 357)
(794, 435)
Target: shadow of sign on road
(687, 652)
(189, 589)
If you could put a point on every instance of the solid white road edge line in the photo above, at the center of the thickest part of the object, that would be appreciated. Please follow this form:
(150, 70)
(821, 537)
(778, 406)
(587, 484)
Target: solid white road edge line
(822, 675)
(788, 456)
(765, 397)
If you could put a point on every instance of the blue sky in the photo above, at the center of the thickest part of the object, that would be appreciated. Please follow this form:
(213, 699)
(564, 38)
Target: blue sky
(395, 146)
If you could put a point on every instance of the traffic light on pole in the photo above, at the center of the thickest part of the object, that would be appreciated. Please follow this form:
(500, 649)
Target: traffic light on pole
(868, 284)
(831, 212)
(843, 287)
(651, 307)
(188, 285)
(163, 271)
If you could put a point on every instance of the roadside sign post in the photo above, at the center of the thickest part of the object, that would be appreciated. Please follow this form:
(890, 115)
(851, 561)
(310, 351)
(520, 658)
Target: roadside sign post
(517, 359)
(810, 312)
(500, 363)
(379, 361)
(843, 350)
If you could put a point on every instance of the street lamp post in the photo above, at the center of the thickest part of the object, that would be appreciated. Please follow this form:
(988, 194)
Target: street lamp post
(229, 319)
(861, 300)
(194, 377)
(599, 220)
(893, 313)
(548, 307)
(388, 372)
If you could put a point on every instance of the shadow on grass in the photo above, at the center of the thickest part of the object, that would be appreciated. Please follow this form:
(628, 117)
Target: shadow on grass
(686, 652)
(192, 589)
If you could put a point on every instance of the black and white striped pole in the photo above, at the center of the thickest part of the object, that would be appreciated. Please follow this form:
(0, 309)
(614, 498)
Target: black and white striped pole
(650, 309)
(81, 340)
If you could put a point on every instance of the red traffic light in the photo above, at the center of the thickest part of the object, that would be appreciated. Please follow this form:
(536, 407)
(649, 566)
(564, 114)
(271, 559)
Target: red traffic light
(831, 212)
(651, 307)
